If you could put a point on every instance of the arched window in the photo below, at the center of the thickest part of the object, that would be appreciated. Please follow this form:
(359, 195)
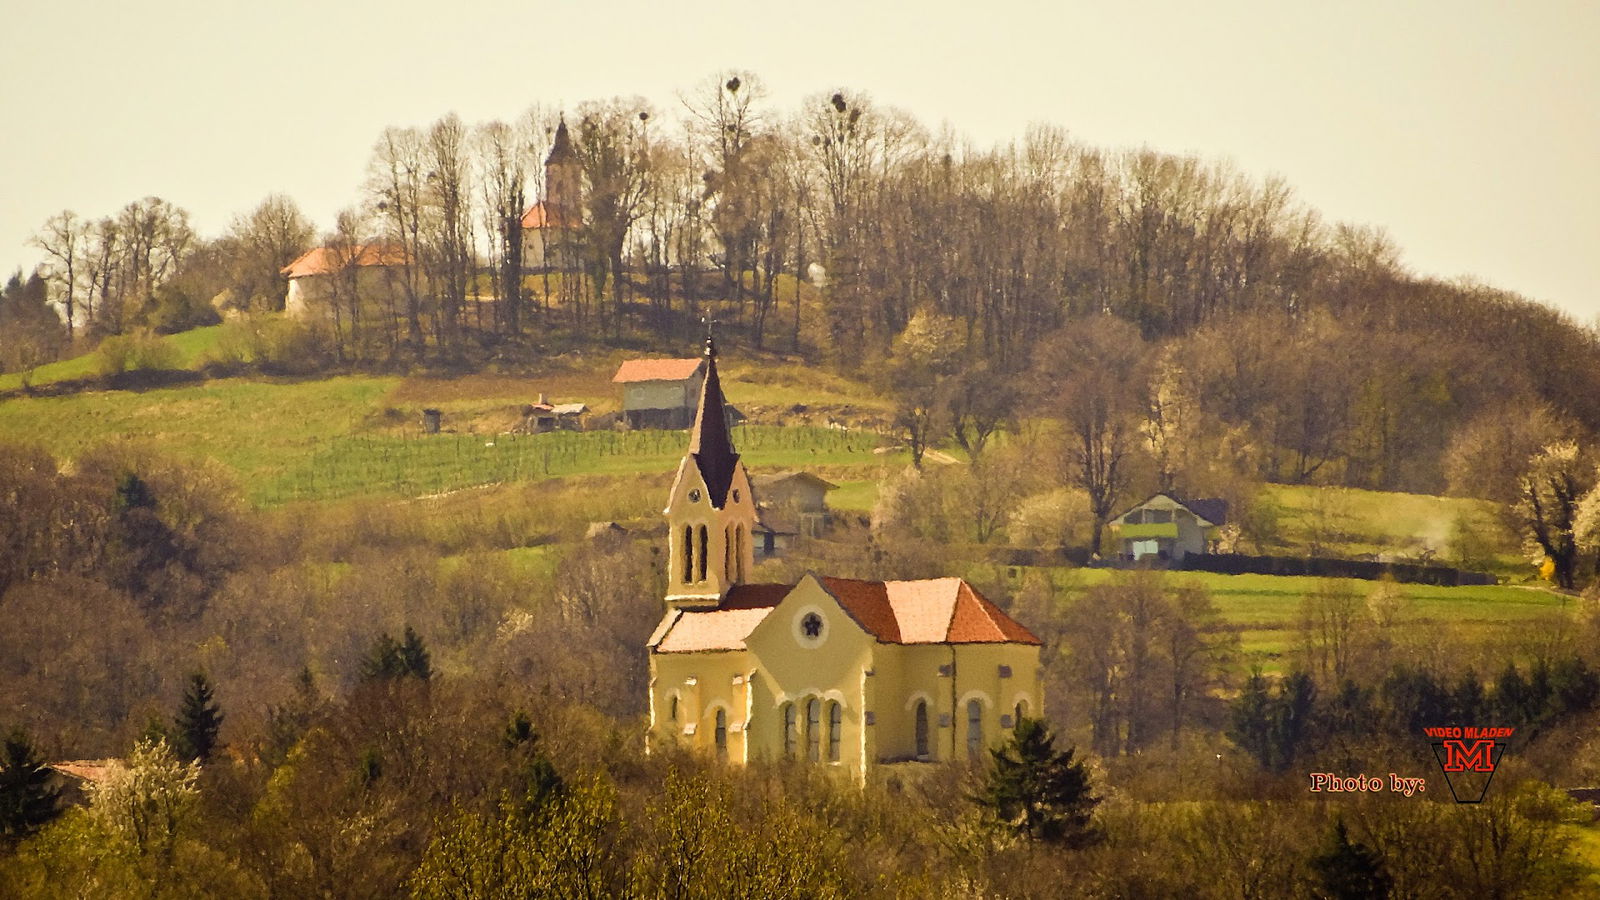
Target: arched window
(672, 710)
(835, 730)
(688, 554)
(704, 534)
(727, 552)
(974, 728)
(722, 732)
(814, 729)
(739, 549)
(791, 731)
(1022, 710)
(922, 729)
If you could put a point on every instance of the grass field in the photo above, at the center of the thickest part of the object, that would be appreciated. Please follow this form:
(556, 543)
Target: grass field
(191, 346)
(345, 436)
(1349, 522)
(1266, 608)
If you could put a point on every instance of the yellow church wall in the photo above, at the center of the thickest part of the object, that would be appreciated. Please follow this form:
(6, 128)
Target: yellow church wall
(703, 683)
(797, 668)
(906, 673)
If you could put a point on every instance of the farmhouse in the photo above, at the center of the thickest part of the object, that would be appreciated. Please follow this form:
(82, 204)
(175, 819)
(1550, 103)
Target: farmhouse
(835, 671)
(1167, 528)
(324, 278)
(659, 393)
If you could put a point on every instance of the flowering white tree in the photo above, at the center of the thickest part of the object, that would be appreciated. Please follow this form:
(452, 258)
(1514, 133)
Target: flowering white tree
(146, 799)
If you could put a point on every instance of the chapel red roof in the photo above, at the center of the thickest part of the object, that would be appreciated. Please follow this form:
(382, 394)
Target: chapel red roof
(656, 370)
(543, 215)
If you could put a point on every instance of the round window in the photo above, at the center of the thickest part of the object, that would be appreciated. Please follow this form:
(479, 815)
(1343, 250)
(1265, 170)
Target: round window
(694, 495)
(736, 495)
(811, 625)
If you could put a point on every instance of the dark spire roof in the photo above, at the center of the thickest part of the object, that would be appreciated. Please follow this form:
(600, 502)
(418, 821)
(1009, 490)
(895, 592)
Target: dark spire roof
(561, 150)
(710, 443)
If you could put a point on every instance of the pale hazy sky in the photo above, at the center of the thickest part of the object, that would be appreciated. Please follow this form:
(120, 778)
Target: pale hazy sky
(1469, 130)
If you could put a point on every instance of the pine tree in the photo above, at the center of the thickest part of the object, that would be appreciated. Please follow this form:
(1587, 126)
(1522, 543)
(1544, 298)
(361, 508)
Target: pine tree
(29, 798)
(1039, 791)
(198, 720)
(414, 656)
(1351, 870)
(389, 660)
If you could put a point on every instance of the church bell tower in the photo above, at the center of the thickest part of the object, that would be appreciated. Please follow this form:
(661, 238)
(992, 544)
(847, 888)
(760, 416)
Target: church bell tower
(710, 513)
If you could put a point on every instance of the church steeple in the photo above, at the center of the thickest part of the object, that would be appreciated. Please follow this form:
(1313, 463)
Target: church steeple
(710, 443)
(710, 513)
(563, 181)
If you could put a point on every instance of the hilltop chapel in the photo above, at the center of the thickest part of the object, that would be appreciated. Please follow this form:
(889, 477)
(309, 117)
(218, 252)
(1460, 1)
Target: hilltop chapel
(834, 671)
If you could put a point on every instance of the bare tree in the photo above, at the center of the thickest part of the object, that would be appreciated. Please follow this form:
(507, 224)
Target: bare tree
(64, 238)
(614, 148)
(268, 238)
(446, 243)
(395, 183)
(1092, 377)
(504, 154)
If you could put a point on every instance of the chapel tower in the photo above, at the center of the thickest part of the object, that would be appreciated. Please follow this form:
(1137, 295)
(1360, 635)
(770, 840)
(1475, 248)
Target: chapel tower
(563, 180)
(710, 513)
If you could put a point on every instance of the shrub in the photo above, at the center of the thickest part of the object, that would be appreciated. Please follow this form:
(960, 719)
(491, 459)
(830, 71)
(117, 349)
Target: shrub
(137, 352)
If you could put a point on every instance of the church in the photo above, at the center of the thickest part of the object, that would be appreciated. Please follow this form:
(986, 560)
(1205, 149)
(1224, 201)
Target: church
(832, 671)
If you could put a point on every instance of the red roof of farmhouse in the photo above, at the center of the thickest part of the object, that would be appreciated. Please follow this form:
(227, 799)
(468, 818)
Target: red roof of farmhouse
(656, 370)
(930, 611)
(325, 260)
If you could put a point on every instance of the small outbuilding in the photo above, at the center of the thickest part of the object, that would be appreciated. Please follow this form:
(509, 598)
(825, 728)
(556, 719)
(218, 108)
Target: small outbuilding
(542, 417)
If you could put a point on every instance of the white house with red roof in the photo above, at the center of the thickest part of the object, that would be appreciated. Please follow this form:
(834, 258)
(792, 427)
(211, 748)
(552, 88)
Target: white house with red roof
(833, 671)
(350, 276)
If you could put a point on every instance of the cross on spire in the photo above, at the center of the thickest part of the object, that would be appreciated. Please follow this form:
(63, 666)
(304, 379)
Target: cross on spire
(711, 341)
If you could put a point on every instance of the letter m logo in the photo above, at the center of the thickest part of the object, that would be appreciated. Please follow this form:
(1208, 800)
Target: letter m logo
(1468, 766)
(1459, 756)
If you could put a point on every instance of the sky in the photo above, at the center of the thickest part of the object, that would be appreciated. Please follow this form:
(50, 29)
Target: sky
(1468, 130)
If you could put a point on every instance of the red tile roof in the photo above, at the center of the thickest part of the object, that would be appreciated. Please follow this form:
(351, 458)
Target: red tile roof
(324, 260)
(543, 215)
(930, 611)
(656, 370)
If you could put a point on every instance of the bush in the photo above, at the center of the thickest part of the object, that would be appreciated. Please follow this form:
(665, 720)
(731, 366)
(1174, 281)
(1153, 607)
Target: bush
(271, 343)
(138, 352)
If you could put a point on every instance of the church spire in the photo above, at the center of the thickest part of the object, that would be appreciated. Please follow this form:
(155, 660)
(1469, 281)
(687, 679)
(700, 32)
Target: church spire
(710, 442)
(561, 150)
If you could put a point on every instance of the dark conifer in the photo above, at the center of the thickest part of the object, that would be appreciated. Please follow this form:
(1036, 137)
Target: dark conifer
(1039, 791)
(29, 797)
(198, 720)
(1350, 870)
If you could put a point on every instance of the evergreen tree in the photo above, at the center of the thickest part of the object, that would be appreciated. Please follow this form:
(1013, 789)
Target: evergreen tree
(1037, 790)
(198, 720)
(414, 656)
(1272, 726)
(389, 660)
(29, 797)
(1350, 870)
(143, 546)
